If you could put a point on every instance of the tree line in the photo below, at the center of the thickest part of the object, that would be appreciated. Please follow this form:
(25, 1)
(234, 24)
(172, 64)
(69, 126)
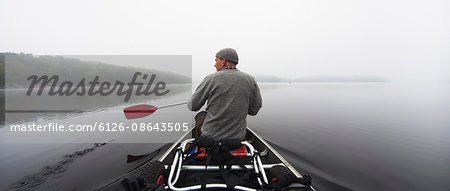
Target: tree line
(21, 66)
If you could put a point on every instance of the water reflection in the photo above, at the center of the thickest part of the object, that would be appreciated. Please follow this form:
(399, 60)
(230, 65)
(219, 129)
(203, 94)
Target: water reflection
(348, 136)
(21, 108)
(361, 136)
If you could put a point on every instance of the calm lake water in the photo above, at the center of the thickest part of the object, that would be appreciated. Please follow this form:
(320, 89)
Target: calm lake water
(348, 136)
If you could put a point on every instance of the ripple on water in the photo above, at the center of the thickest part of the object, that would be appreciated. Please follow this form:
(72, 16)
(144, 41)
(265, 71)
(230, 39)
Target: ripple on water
(55, 170)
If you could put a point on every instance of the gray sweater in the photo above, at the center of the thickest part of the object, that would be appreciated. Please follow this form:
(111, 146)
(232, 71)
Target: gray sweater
(231, 95)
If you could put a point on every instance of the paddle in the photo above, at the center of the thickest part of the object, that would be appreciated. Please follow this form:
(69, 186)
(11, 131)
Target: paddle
(143, 110)
(139, 111)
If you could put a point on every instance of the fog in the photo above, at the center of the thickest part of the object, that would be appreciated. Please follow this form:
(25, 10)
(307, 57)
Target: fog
(392, 39)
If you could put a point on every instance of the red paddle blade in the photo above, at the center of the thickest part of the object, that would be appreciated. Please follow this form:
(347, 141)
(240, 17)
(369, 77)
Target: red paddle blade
(139, 111)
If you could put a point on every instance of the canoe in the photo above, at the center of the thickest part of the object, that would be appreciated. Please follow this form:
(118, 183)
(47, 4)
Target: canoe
(182, 168)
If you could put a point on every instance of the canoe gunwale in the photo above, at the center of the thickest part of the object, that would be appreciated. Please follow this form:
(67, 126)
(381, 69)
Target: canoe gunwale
(271, 149)
(174, 145)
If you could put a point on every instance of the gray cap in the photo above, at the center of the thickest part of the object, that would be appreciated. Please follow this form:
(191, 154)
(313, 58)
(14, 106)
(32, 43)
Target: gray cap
(229, 54)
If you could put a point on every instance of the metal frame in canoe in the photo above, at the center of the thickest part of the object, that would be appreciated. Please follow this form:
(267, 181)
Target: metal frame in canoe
(253, 140)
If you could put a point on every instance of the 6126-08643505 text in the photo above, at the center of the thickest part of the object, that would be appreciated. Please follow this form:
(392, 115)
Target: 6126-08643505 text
(100, 127)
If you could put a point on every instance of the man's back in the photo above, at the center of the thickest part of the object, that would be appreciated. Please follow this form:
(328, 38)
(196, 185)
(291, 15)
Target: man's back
(231, 95)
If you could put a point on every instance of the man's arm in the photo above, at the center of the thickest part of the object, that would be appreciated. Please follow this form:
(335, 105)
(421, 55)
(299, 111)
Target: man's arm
(200, 95)
(256, 103)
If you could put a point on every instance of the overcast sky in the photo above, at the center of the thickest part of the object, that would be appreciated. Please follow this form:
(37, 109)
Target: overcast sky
(395, 39)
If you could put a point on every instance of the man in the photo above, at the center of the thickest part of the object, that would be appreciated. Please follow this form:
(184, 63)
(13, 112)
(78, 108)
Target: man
(231, 95)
